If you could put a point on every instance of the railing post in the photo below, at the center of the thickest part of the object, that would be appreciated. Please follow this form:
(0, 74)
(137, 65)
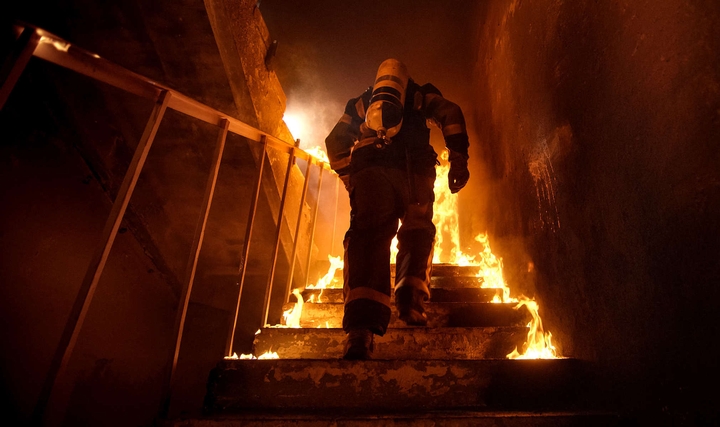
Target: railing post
(15, 63)
(97, 264)
(246, 245)
(281, 212)
(297, 226)
(192, 267)
(312, 225)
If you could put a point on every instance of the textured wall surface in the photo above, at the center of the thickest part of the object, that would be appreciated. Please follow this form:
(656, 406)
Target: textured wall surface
(599, 125)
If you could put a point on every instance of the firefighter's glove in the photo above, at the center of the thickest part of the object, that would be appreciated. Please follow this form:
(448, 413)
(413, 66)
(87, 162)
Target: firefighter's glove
(459, 174)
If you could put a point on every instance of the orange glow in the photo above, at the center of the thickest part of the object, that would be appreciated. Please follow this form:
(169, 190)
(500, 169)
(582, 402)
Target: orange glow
(295, 123)
(318, 153)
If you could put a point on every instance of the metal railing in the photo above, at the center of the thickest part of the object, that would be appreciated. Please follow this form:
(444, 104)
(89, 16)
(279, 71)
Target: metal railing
(33, 41)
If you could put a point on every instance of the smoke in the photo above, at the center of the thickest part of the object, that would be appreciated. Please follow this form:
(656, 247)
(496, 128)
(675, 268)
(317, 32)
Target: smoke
(311, 117)
(312, 110)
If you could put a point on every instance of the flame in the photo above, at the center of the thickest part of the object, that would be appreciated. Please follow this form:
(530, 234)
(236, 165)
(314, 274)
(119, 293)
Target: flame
(393, 250)
(447, 238)
(491, 270)
(447, 250)
(318, 153)
(336, 263)
(539, 344)
(267, 355)
(292, 317)
(490, 267)
(327, 325)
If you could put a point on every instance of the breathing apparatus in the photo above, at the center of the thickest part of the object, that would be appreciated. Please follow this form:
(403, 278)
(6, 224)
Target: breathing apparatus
(387, 104)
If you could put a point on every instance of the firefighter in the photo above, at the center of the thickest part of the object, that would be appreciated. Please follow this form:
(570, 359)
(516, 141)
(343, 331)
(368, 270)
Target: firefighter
(381, 150)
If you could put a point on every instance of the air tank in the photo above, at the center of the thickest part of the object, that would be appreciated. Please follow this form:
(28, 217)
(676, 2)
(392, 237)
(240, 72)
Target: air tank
(385, 113)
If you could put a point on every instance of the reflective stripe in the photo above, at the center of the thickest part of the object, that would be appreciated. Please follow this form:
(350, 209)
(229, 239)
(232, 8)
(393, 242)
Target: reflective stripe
(392, 99)
(345, 119)
(341, 163)
(360, 108)
(386, 91)
(367, 293)
(453, 129)
(390, 77)
(413, 282)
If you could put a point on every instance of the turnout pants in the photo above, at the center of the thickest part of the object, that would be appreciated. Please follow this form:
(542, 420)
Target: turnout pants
(379, 198)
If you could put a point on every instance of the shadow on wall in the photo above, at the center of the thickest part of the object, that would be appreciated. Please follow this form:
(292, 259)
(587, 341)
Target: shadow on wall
(599, 130)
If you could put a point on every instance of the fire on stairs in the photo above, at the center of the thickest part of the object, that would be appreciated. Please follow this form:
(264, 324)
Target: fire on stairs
(454, 372)
(459, 370)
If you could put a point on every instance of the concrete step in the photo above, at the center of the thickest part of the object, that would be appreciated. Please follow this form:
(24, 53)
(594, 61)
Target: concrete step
(437, 294)
(437, 270)
(398, 385)
(409, 343)
(456, 282)
(440, 314)
(448, 270)
(423, 419)
(443, 275)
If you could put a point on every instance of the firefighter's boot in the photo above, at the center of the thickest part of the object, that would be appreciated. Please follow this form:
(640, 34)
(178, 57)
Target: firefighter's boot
(358, 345)
(410, 305)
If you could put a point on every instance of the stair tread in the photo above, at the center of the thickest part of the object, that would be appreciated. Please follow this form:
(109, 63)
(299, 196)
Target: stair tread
(414, 418)
(399, 384)
(437, 294)
(406, 343)
(440, 314)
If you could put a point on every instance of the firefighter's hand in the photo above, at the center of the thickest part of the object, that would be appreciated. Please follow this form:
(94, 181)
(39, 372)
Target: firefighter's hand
(459, 173)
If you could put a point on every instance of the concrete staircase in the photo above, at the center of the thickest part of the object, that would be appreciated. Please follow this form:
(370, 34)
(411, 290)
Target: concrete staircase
(453, 372)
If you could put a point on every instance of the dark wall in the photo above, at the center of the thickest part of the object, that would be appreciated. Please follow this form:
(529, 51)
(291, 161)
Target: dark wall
(53, 211)
(66, 144)
(600, 130)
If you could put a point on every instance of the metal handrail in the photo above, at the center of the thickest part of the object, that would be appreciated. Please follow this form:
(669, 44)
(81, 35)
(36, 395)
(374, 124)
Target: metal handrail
(34, 41)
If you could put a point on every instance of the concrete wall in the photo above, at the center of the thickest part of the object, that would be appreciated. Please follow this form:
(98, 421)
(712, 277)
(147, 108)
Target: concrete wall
(599, 125)
(53, 212)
